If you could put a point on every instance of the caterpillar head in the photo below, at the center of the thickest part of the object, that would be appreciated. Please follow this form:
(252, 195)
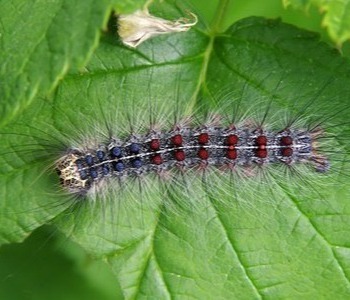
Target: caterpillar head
(71, 177)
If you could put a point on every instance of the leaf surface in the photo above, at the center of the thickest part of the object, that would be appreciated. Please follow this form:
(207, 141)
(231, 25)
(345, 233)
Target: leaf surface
(41, 41)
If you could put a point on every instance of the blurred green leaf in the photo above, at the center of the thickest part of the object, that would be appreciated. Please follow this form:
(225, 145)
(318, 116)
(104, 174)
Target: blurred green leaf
(336, 16)
(227, 239)
(48, 266)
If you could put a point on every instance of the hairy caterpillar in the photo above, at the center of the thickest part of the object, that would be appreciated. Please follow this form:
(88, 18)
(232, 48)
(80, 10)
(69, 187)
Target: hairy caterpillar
(185, 148)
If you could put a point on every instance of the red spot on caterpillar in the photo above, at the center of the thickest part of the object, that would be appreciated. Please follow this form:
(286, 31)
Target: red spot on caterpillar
(287, 152)
(157, 159)
(261, 140)
(154, 144)
(180, 155)
(177, 140)
(203, 138)
(203, 153)
(286, 141)
(261, 153)
(231, 154)
(232, 139)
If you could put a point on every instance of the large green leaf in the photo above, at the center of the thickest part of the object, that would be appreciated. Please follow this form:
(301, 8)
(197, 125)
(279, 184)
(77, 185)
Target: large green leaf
(222, 237)
(41, 41)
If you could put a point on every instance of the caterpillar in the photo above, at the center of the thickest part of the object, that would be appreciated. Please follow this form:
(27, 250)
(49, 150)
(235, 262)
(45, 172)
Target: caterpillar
(185, 148)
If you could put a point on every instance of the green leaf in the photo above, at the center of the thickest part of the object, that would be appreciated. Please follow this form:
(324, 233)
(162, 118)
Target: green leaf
(336, 16)
(228, 238)
(48, 266)
(41, 41)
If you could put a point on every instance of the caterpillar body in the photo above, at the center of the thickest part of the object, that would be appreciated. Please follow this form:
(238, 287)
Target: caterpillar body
(186, 147)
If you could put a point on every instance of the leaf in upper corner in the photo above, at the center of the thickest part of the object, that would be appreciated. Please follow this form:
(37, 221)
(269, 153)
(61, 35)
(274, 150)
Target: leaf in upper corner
(336, 16)
(41, 41)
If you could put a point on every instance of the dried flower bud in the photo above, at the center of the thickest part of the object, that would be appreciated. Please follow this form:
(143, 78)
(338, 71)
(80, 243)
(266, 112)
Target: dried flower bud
(139, 26)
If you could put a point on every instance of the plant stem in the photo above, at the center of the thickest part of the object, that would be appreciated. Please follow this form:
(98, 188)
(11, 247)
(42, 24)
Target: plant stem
(219, 16)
